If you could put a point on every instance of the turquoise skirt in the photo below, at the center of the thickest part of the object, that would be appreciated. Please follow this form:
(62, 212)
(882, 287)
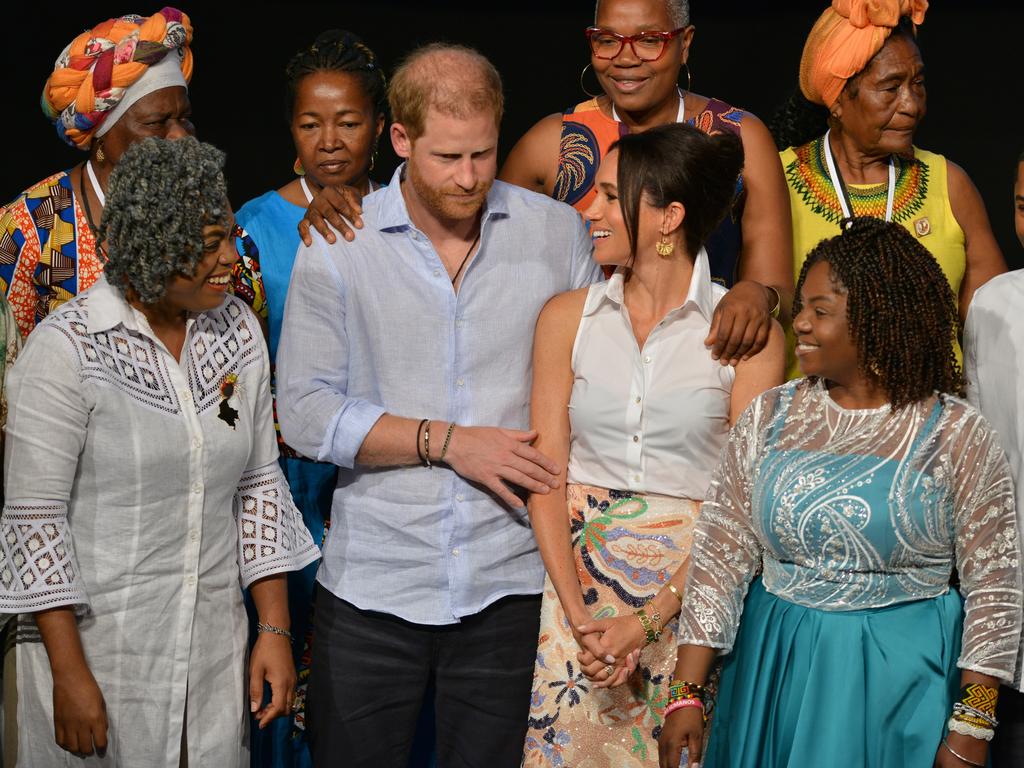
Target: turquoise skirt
(807, 687)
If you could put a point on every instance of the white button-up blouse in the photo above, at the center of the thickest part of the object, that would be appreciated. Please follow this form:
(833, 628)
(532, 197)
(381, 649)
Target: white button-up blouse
(649, 420)
(132, 497)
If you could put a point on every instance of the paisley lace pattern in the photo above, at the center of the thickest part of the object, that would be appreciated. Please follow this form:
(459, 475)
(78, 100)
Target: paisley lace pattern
(850, 510)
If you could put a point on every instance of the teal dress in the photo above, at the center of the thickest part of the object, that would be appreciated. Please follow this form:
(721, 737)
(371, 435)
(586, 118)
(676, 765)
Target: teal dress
(272, 224)
(851, 641)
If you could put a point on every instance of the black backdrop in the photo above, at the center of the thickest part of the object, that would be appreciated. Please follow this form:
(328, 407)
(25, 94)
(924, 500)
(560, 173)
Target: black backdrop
(744, 52)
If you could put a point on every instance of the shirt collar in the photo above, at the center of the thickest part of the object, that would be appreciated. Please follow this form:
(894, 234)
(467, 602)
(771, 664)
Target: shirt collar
(394, 215)
(108, 308)
(699, 294)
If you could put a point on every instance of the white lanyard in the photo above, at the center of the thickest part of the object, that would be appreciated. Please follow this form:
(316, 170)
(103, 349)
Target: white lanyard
(837, 182)
(680, 117)
(95, 183)
(309, 195)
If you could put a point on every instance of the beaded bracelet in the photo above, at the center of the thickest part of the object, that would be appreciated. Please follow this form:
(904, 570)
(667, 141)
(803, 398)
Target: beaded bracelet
(980, 697)
(961, 710)
(426, 446)
(957, 725)
(447, 439)
(419, 436)
(271, 629)
(683, 689)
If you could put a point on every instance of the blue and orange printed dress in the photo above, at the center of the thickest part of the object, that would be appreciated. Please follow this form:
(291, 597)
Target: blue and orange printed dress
(587, 133)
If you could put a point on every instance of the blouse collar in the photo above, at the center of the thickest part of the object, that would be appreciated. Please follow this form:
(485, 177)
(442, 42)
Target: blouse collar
(700, 293)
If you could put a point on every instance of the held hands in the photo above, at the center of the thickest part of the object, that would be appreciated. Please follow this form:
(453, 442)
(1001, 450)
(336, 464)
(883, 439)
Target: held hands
(682, 728)
(334, 206)
(741, 323)
(492, 456)
(271, 661)
(614, 641)
(79, 713)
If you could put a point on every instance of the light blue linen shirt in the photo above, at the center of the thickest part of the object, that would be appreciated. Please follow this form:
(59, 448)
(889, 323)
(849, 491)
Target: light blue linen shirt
(373, 327)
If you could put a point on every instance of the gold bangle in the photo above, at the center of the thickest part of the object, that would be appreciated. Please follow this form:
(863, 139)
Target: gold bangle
(774, 311)
(676, 592)
(447, 439)
(426, 446)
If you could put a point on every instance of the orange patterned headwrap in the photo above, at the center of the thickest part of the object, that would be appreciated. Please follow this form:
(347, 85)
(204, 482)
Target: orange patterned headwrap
(844, 40)
(97, 70)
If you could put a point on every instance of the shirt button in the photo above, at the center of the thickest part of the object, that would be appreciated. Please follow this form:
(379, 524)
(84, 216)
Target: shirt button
(190, 581)
(197, 442)
(455, 552)
(197, 488)
(638, 398)
(458, 497)
(437, 273)
(458, 323)
(636, 438)
(461, 382)
(647, 358)
(193, 534)
(185, 395)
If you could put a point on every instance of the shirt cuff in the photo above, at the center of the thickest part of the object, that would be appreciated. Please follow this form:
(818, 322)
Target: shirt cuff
(347, 431)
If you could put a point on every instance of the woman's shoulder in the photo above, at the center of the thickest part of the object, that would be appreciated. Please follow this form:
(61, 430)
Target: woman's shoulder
(269, 204)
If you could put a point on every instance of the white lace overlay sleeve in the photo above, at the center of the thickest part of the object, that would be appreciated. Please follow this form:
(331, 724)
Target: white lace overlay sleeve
(38, 569)
(725, 553)
(986, 551)
(272, 537)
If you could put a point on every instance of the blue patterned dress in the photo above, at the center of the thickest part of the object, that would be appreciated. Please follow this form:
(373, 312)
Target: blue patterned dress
(851, 641)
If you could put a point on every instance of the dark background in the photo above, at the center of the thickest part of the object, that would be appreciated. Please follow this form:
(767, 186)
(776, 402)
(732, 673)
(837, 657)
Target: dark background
(744, 52)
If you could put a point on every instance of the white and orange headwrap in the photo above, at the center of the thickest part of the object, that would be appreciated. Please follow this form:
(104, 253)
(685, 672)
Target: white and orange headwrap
(111, 66)
(845, 38)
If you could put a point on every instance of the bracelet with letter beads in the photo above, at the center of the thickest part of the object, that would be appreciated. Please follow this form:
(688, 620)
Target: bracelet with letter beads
(645, 622)
(683, 704)
(271, 629)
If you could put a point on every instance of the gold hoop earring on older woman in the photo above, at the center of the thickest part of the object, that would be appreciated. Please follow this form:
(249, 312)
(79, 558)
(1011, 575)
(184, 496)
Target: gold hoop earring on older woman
(584, 87)
(664, 247)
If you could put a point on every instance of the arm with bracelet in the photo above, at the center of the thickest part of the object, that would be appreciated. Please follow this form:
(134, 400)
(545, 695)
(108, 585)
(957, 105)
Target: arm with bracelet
(320, 419)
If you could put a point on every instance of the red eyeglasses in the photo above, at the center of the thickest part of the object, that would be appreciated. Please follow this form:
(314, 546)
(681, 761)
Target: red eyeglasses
(646, 46)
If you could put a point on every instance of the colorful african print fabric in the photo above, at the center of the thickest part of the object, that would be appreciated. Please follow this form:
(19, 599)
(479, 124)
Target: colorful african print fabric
(47, 250)
(10, 345)
(920, 205)
(587, 133)
(626, 548)
(48, 253)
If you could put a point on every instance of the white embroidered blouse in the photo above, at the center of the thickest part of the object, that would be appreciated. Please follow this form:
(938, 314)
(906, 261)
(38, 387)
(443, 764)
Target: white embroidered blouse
(855, 509)
(129, 498)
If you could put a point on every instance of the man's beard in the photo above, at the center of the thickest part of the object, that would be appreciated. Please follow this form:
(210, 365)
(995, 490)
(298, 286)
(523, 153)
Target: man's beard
(449, 204)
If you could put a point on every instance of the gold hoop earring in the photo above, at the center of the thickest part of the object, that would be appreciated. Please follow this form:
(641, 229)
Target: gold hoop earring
(664, 247)
(583, 87)
(297, 167)
(689, 79)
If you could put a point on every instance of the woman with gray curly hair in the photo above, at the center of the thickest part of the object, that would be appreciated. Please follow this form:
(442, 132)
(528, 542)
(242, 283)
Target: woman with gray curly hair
(143, 487)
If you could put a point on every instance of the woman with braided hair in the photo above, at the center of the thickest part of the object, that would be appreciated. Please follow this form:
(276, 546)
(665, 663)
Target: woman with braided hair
(123, 80)
(847, 141)
(856, 492)
(335, 105)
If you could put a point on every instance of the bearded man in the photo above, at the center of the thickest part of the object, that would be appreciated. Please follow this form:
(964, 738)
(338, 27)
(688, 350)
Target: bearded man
(405, 359)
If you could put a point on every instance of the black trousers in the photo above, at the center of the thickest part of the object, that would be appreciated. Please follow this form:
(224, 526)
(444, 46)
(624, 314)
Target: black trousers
(370, 672)
(1008, 746)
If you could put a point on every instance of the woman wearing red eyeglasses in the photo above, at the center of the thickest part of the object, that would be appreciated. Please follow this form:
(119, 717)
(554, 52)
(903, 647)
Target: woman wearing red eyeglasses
(638, 48)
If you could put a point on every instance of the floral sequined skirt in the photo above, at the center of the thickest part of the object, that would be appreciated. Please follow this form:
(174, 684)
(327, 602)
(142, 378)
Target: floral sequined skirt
(626, 548)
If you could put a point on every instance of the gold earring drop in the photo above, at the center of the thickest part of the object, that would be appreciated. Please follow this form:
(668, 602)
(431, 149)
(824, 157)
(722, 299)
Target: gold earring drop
(664, 247)
(299, 170)
(100, 157)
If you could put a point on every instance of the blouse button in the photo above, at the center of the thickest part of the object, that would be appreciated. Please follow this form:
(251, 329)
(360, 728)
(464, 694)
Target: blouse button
(638, 398)
(647, 358)
(636, 438)
(197, 488)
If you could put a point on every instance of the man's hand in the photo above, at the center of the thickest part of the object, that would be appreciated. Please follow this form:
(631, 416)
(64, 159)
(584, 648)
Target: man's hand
(492, 456)
(741, 323)
(336, 207)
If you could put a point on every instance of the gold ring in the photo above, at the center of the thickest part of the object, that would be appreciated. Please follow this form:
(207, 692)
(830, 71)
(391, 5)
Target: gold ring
(608, 670)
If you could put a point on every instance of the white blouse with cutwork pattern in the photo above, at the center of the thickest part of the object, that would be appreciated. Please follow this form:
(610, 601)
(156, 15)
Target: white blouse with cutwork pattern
(650, 420)
(130, 499)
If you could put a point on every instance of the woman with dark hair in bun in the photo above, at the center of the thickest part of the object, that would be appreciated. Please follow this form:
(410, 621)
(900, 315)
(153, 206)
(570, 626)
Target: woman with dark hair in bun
(628, 398)
(335, 106)
(856, 492)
